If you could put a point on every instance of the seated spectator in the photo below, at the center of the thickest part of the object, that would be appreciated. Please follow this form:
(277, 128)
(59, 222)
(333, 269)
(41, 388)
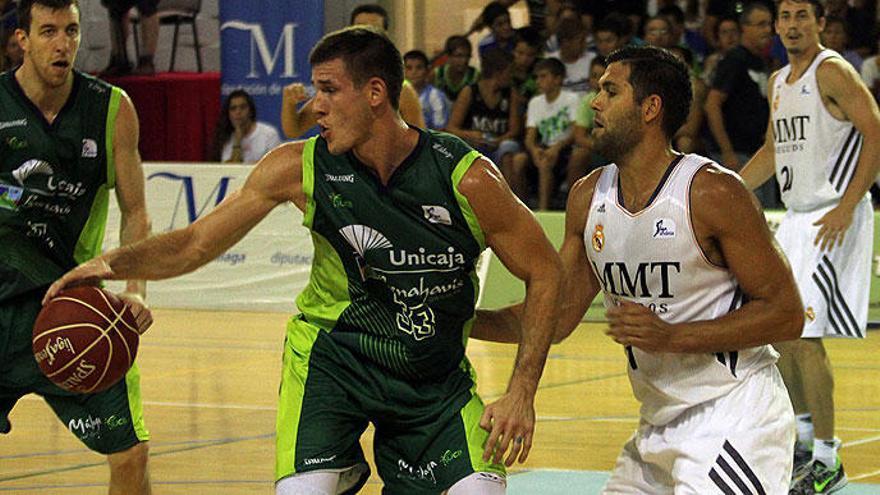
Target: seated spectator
(549, 138)
(435, 106)
(118, 11)
(369, 14)
(525, 54)
(682, 36)
(238, 137)
(574, 54)
(727, 34)
(688, 138)
(12, 55)
(871, 75)
(501, 33)
(836, 37)
(566, 11)
(612, 33)
(583, 158)
(658, 32)
(488, 113)
(455, 74)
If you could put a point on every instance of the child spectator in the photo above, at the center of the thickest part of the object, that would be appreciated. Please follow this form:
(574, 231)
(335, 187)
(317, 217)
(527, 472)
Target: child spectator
(574, 54)
(497, 18)
(435, 106)
(583, 158)
(549, 137)
(525, 54)
(455, 74)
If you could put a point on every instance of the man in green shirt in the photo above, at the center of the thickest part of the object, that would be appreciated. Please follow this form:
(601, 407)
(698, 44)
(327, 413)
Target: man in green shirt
(66, 139)
(398, 217)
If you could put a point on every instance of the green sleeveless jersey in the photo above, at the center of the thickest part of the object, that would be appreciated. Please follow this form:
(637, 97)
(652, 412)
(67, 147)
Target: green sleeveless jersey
(54, 181)
(393, 277)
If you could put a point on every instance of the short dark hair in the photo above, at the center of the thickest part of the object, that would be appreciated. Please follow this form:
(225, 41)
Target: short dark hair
(530, 36)
(552, 65)
(599, 60)
(655, 71)
(673, 11)
(818, 8)
(24, 10)
(752, 7)
(416, 55)
(370, 8)
(494, 61)
(366, 52)
(833, 19)
(616, 23)
(455, 42)
(493, 11)
(224, 128)
(726, 18)
(570, 29)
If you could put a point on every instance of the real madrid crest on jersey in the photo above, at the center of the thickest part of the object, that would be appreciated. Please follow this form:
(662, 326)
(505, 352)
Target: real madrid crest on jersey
(598, 238)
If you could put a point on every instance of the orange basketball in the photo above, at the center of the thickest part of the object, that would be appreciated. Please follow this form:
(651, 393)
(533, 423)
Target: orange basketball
(85, 339)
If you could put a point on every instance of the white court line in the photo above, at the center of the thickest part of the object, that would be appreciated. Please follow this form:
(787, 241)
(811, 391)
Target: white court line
(861, 441)
(863, 476)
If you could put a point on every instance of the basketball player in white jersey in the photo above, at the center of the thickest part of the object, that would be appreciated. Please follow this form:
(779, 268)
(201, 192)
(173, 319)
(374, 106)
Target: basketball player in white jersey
(694, 287)
(824, 142)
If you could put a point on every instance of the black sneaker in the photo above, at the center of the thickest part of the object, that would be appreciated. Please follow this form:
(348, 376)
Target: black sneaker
(820, 479)
(801, 466)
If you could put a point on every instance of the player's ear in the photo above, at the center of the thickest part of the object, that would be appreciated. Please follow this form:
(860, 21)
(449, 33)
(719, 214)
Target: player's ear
(376, 91)
(652, 106)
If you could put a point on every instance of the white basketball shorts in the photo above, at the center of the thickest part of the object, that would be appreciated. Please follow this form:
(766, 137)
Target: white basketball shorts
(739, 443)
(834, 285)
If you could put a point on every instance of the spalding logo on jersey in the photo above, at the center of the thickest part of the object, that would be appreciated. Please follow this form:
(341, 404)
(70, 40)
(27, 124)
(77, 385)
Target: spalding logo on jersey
(598, 238)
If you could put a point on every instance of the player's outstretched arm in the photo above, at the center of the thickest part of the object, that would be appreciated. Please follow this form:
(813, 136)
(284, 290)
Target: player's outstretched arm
(732, 233)
(842, 85)
(134, 219)
(277, 178)
(516, 238)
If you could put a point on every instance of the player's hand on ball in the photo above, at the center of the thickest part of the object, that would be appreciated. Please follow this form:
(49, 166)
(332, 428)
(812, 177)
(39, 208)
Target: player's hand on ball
(139, 310)
(88, 273)
(632, 324)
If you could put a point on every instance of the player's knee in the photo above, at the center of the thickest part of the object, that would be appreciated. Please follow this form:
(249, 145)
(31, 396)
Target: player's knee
(479, 484)
(313, 483)
(131, 460)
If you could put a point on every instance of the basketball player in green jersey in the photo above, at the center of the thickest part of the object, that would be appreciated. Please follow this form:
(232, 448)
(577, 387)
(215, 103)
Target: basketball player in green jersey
(398, 217)
(66, 139)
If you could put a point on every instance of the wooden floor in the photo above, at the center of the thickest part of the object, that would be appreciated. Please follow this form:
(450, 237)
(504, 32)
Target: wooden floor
(210, 383)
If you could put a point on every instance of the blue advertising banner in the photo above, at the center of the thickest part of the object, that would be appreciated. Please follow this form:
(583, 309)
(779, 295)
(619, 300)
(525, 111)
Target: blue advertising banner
(265, 46)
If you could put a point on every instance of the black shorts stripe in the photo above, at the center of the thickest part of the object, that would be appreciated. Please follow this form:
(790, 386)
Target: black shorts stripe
(839, 296)
(826, 294)
(850, 167)
(836, 302)
(733, 476)
(744, 467)
(719, 482)
(843, 152)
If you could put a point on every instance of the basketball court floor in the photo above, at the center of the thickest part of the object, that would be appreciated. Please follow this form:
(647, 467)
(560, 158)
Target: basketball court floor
(210, 382)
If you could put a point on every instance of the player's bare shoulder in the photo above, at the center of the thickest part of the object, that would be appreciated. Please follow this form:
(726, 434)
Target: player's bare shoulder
(279, 174)
(836, 79)
(577, 208)
(719, 196)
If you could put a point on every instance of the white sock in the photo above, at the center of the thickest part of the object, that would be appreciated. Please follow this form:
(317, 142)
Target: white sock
(804, 431)
(825, 451)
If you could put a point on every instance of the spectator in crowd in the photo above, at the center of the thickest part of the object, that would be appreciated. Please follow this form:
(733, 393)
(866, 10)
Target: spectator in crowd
(836, 37)
(550, 119)
(525, 54)
(688, 138)
(612, 33)
(435, 105)
(455, 74)
(488, 113)
(658, 32)
(566, 11)
(238, 137)
(118, 11)
(736, 106)
(540, 12)
(583, 156)
(727, 34)
(501, 34)
(681, 35)
(574, 54)
(297, 115)
(12, 55)
(871, 75)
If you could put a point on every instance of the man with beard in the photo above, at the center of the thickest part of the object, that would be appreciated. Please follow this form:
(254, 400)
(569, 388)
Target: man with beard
(695, 291)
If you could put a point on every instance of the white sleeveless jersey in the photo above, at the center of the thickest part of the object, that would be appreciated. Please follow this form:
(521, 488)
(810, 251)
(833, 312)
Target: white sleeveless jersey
(652, 257)
(816, 153)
